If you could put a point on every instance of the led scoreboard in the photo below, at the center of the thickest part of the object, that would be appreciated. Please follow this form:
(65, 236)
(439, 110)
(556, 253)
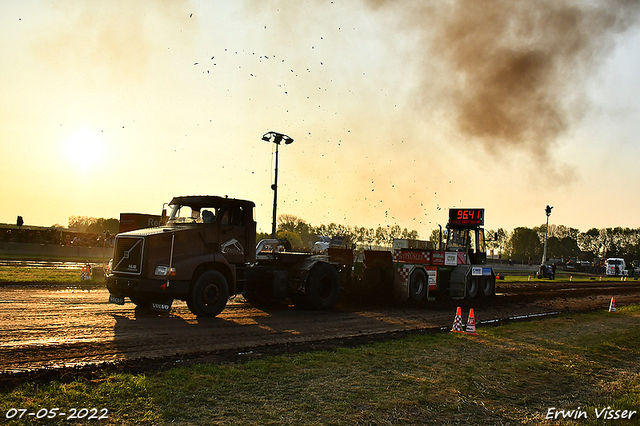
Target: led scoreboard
(466, 217)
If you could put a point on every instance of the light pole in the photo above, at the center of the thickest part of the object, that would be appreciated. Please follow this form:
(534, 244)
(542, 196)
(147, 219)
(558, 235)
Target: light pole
(547, 210)
(276, 138)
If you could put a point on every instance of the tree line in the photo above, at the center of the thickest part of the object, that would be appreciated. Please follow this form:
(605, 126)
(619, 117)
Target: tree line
(524, 244)
(304, 235)
(93, 225)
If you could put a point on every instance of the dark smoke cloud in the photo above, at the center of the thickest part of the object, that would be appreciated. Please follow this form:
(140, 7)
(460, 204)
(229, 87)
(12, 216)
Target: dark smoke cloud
(509, 74)
(519, 59)
(519, 67)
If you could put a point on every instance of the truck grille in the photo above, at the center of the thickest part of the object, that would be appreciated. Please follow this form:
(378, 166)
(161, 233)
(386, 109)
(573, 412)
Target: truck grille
(127, 256)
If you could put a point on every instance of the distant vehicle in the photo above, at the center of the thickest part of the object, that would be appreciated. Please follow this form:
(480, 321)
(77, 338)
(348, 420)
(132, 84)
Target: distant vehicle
(546, 271)
(322, 245)
(615, 266)
(635, 267)
(573, 264)
(597, 266)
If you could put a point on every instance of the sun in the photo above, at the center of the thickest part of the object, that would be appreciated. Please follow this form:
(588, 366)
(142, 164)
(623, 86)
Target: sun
(84, 149)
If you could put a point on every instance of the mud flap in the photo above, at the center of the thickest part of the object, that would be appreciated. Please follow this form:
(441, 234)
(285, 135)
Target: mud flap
(432, 284)
(164, 306)
(115, 299)
(457, 283)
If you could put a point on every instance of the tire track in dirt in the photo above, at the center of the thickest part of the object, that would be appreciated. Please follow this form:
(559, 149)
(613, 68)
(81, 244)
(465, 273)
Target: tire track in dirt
(71, 329)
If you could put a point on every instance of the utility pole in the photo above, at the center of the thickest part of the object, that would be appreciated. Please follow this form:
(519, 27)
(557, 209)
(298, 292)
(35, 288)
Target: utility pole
(276, 138)
(547, 210)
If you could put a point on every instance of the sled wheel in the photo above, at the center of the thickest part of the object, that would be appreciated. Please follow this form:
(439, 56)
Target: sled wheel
(323, 287)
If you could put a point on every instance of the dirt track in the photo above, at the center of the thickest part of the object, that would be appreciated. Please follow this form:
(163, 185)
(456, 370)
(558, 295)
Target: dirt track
(62, 329)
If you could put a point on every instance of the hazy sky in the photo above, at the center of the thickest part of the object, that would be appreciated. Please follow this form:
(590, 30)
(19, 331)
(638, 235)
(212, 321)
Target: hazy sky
(399, 109)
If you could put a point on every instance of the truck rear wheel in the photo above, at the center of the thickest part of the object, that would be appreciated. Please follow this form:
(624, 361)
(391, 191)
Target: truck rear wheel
(417, 285)
(323, 287)
(488, 286)
(209, 294)
(473, 285)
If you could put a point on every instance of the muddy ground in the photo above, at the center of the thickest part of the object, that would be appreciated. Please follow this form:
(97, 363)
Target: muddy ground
(63, 332)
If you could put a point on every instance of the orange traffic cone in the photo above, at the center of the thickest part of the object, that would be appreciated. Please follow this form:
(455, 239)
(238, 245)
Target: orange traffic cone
(471, 324)
(612, 305)
(457, 322)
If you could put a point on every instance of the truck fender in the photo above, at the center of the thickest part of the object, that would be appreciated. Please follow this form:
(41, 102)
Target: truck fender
(299, 272)
(216, 262)
(410, 283)
(321, 288)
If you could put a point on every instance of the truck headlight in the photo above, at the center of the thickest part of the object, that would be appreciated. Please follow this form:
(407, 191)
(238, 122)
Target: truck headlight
(165, 271)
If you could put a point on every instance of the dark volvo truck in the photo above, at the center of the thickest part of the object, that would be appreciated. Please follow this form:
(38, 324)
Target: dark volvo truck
(206, 253)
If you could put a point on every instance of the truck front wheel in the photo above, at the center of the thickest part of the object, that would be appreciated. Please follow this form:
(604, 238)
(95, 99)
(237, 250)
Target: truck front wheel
(209, 294)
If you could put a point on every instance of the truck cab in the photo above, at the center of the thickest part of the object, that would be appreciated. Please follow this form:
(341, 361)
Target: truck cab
(470, 241)
(465, 235)
(224, 225)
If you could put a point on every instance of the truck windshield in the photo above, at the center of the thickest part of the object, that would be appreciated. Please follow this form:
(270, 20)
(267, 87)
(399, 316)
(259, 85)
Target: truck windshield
(187, 214)
(457, 239)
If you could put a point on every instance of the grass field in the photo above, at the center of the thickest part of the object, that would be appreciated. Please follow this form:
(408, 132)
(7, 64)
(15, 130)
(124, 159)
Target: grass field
(518, 374)
(560, 276)
(22, 274)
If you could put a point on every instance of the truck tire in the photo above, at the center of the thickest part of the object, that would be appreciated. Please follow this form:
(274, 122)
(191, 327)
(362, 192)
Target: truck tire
(473, 286)
(488, 286)
(417, 285)
(322, 287)
(209, 294)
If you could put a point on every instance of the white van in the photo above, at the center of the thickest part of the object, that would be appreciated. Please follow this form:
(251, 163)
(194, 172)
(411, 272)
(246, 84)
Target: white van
(615, 266)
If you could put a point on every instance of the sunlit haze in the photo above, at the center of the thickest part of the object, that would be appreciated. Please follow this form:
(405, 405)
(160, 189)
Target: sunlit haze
(399, 109)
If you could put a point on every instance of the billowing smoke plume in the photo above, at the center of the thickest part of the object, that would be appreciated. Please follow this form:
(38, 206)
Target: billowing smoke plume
(517, 68)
